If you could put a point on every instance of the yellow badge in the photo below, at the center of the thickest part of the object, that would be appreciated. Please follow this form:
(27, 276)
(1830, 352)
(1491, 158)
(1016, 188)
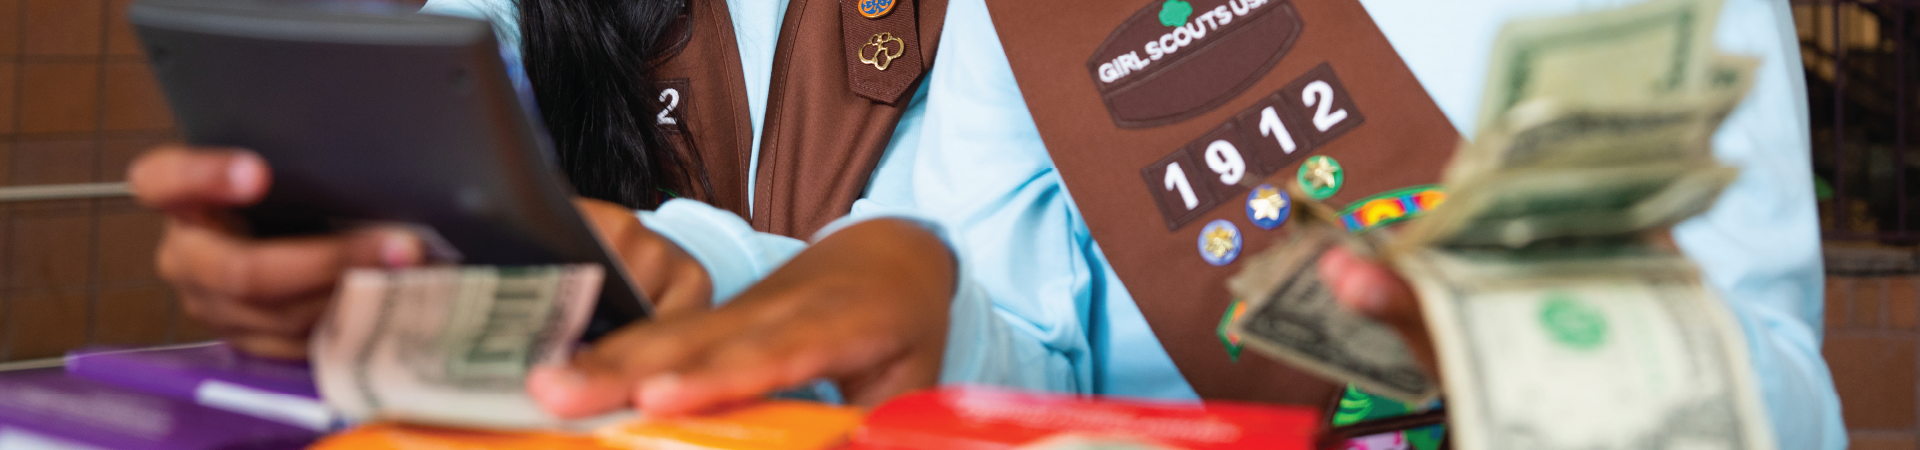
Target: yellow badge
(881, 56)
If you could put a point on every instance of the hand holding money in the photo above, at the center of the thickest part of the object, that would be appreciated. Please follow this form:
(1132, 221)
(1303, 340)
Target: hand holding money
(450, 345)
(1558, 321)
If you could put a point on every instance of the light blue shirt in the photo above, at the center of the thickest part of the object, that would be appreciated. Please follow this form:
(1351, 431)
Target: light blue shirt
(1039, 306)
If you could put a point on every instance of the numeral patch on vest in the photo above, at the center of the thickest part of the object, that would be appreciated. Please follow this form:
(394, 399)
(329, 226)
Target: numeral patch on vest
(1275, 132)
(674, 93)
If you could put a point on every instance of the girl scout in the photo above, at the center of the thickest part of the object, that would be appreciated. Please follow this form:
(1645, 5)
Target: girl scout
(927, 149)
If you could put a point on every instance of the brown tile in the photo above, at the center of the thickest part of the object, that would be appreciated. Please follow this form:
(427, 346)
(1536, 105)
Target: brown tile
(63, 27)
(50, 251)
(118, 205)
(9, 27)
(1838, 291)
(120, 38)
(134, 101)
(1883, 441)
(116, 153)
(45, 324)
(185, 329)
(133, 316)
(1875, 378)
(1903, 302)
(9, 79)
(53, 162)
(59, 97)
(127, 241)
(1867, 297)
(44, 208)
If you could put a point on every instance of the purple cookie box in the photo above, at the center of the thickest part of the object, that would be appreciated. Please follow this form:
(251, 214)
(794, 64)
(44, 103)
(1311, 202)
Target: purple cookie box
(178, 371)
(46, 403)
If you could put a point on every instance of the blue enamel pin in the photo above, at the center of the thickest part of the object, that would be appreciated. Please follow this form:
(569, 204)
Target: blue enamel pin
(1268, 206)
(1219, 242)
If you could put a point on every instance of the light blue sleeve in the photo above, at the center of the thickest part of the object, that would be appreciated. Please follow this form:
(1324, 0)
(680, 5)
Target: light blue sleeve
(734, 255)
(1035, 298)
(501, 13)
(1760, 245)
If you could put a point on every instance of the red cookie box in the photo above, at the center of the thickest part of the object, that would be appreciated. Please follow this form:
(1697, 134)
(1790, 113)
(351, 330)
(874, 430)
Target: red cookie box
(969, 418)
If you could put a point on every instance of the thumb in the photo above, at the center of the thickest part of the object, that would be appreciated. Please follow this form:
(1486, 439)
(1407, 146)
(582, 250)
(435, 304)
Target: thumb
(574, 391)
(384, 246)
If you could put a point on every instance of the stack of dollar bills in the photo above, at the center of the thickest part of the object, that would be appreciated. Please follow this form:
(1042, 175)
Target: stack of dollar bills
(1560, 316)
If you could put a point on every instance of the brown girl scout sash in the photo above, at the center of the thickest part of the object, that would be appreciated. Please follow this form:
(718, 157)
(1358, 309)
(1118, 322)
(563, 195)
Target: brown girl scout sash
(1176, 124)
(842, 73)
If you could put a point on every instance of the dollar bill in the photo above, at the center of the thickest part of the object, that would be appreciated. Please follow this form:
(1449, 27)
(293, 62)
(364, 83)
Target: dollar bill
(1525, 206)
(1292, 316)
(1563, 350)
(449, 345)
(1558, 321)
(1645, 53)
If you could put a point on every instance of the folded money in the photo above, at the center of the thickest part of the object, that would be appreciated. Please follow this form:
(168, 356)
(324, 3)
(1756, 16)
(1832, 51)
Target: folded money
(1559, 321)
(211, 374)
(47, 409)
(450, 345)
(1292, 316)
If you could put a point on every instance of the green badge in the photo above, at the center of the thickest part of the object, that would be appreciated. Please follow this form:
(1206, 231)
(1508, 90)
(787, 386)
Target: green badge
(1321, 177)
(1573, 322)
(1228, 338)
(1173, 13)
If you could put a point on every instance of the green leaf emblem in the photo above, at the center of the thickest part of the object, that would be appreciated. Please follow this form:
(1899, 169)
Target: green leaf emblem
(1175, 12)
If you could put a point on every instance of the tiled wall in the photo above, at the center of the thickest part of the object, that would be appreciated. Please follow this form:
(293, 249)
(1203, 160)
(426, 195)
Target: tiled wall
(76, 103)
(1873, 339)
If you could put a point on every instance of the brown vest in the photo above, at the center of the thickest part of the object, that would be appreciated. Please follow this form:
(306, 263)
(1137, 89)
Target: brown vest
(821, 136)
(824, 130)
(1161, 116)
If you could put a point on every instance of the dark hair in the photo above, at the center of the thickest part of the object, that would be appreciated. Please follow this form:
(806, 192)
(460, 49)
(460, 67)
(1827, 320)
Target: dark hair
(591, 66)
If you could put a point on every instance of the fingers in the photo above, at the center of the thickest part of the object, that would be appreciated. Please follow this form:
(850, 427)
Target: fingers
(744, 369)
(702, 362)
(275, 347)
(223, 265)
(1367, 287)
(606, 376)
(1363, 285)
(177, 179)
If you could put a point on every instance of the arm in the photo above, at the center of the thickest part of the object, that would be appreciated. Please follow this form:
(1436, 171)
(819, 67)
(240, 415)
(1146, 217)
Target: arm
(1760, 245)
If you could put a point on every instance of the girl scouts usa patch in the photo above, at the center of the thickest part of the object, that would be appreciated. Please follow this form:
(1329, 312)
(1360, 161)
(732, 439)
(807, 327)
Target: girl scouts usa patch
(1175, 59)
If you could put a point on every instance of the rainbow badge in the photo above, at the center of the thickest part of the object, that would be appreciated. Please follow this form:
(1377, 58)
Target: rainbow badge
(1391, 207)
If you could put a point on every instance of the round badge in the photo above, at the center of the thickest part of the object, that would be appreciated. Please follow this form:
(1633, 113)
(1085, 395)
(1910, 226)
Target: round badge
(1268, 206)
(874, 9)
(1219, 242)
(1321, 177)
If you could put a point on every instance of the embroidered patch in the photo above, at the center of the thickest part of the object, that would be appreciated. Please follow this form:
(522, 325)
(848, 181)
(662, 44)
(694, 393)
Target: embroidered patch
(1391, 207)
(1274, 132)
(1228, 338)
(874, 9)
(1175, 59)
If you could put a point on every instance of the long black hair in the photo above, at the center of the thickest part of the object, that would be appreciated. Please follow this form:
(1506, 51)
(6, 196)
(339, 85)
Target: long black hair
(591, 66)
